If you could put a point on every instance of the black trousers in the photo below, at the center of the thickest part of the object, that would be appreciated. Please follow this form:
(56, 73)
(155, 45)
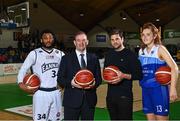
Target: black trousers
(120, 108)
(85, 112)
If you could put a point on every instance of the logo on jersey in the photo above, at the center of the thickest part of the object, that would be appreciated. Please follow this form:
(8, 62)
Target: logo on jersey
(148, 71)
(48, 66)
(50, 57)
(152, 52)
(166, 110)
(56, 51)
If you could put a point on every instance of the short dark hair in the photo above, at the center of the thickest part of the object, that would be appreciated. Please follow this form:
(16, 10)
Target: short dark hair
(46, 31)
(116, 31)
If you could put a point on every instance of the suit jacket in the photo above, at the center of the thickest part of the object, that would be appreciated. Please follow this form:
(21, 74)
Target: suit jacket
(69, 66)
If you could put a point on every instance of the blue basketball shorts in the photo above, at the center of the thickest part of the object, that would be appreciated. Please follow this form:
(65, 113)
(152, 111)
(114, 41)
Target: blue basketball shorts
(156, 100)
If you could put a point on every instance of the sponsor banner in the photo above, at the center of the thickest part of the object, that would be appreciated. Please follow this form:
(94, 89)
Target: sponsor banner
(8, 25)
(7, 69)
(172, 33)
(101, 38)
(23, 110)
(11, 68)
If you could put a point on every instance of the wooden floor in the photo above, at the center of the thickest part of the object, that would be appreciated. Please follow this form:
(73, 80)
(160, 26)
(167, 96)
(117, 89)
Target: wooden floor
(11, 116)
(8, 79)
(137, 105)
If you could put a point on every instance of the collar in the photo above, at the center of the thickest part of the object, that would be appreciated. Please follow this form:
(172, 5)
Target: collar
(78, 52)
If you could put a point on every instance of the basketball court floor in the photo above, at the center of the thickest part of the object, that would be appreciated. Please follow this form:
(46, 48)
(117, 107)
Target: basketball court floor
(17, 105)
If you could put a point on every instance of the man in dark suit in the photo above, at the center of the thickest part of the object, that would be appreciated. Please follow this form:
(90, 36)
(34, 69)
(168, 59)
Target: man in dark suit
(78, 101)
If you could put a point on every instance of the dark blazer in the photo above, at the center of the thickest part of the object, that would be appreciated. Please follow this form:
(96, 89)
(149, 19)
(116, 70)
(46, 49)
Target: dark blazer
(69, 66)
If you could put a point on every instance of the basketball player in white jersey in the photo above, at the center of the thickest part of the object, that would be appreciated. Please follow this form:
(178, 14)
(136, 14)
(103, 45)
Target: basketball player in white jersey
(44, 62)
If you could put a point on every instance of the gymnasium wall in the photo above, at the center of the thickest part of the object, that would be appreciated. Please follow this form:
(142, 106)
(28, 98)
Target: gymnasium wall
(44, 17)
(113, 21)
(6, 38)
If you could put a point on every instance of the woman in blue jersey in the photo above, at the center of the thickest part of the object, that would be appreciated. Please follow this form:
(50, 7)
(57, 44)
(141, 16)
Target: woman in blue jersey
(153, 55)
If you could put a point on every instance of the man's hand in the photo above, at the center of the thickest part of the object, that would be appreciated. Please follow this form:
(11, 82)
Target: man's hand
(73, 83)
(118, 79)
(26, 89)
(91, 85)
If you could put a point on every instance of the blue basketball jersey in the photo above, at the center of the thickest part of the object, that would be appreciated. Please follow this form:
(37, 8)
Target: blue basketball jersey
(150, 62)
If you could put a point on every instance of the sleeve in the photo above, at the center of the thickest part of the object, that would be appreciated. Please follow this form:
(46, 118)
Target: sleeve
(135, 65)
(97, 73)
(62, 78)
(106, 60)
(29, 61)
(140, 52)
(62, 53)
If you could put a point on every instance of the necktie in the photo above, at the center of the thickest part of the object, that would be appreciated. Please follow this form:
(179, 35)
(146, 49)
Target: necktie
(83, 64)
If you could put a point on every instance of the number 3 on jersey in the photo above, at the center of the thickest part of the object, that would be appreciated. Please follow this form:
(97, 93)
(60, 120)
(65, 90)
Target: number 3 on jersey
(53, 74)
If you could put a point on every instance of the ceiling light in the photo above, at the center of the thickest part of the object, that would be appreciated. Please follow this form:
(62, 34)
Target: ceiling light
(124, 18)
(157, 19)
(23, 9)
(81, 14)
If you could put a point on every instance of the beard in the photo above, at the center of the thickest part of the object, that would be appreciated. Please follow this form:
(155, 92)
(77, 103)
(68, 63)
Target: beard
(45, 45)
(117, 47)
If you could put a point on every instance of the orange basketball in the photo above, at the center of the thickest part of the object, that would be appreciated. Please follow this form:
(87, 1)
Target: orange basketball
(32, 81)
(163, 75)
(84, 78)
(110, 73)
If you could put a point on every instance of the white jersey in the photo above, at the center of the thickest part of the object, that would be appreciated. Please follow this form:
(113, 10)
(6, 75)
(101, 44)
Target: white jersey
(45, 64)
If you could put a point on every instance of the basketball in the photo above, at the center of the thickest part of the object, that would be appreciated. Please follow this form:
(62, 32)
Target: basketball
(163, 75)
(84, 78)
(32, 81)
(110, 73)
